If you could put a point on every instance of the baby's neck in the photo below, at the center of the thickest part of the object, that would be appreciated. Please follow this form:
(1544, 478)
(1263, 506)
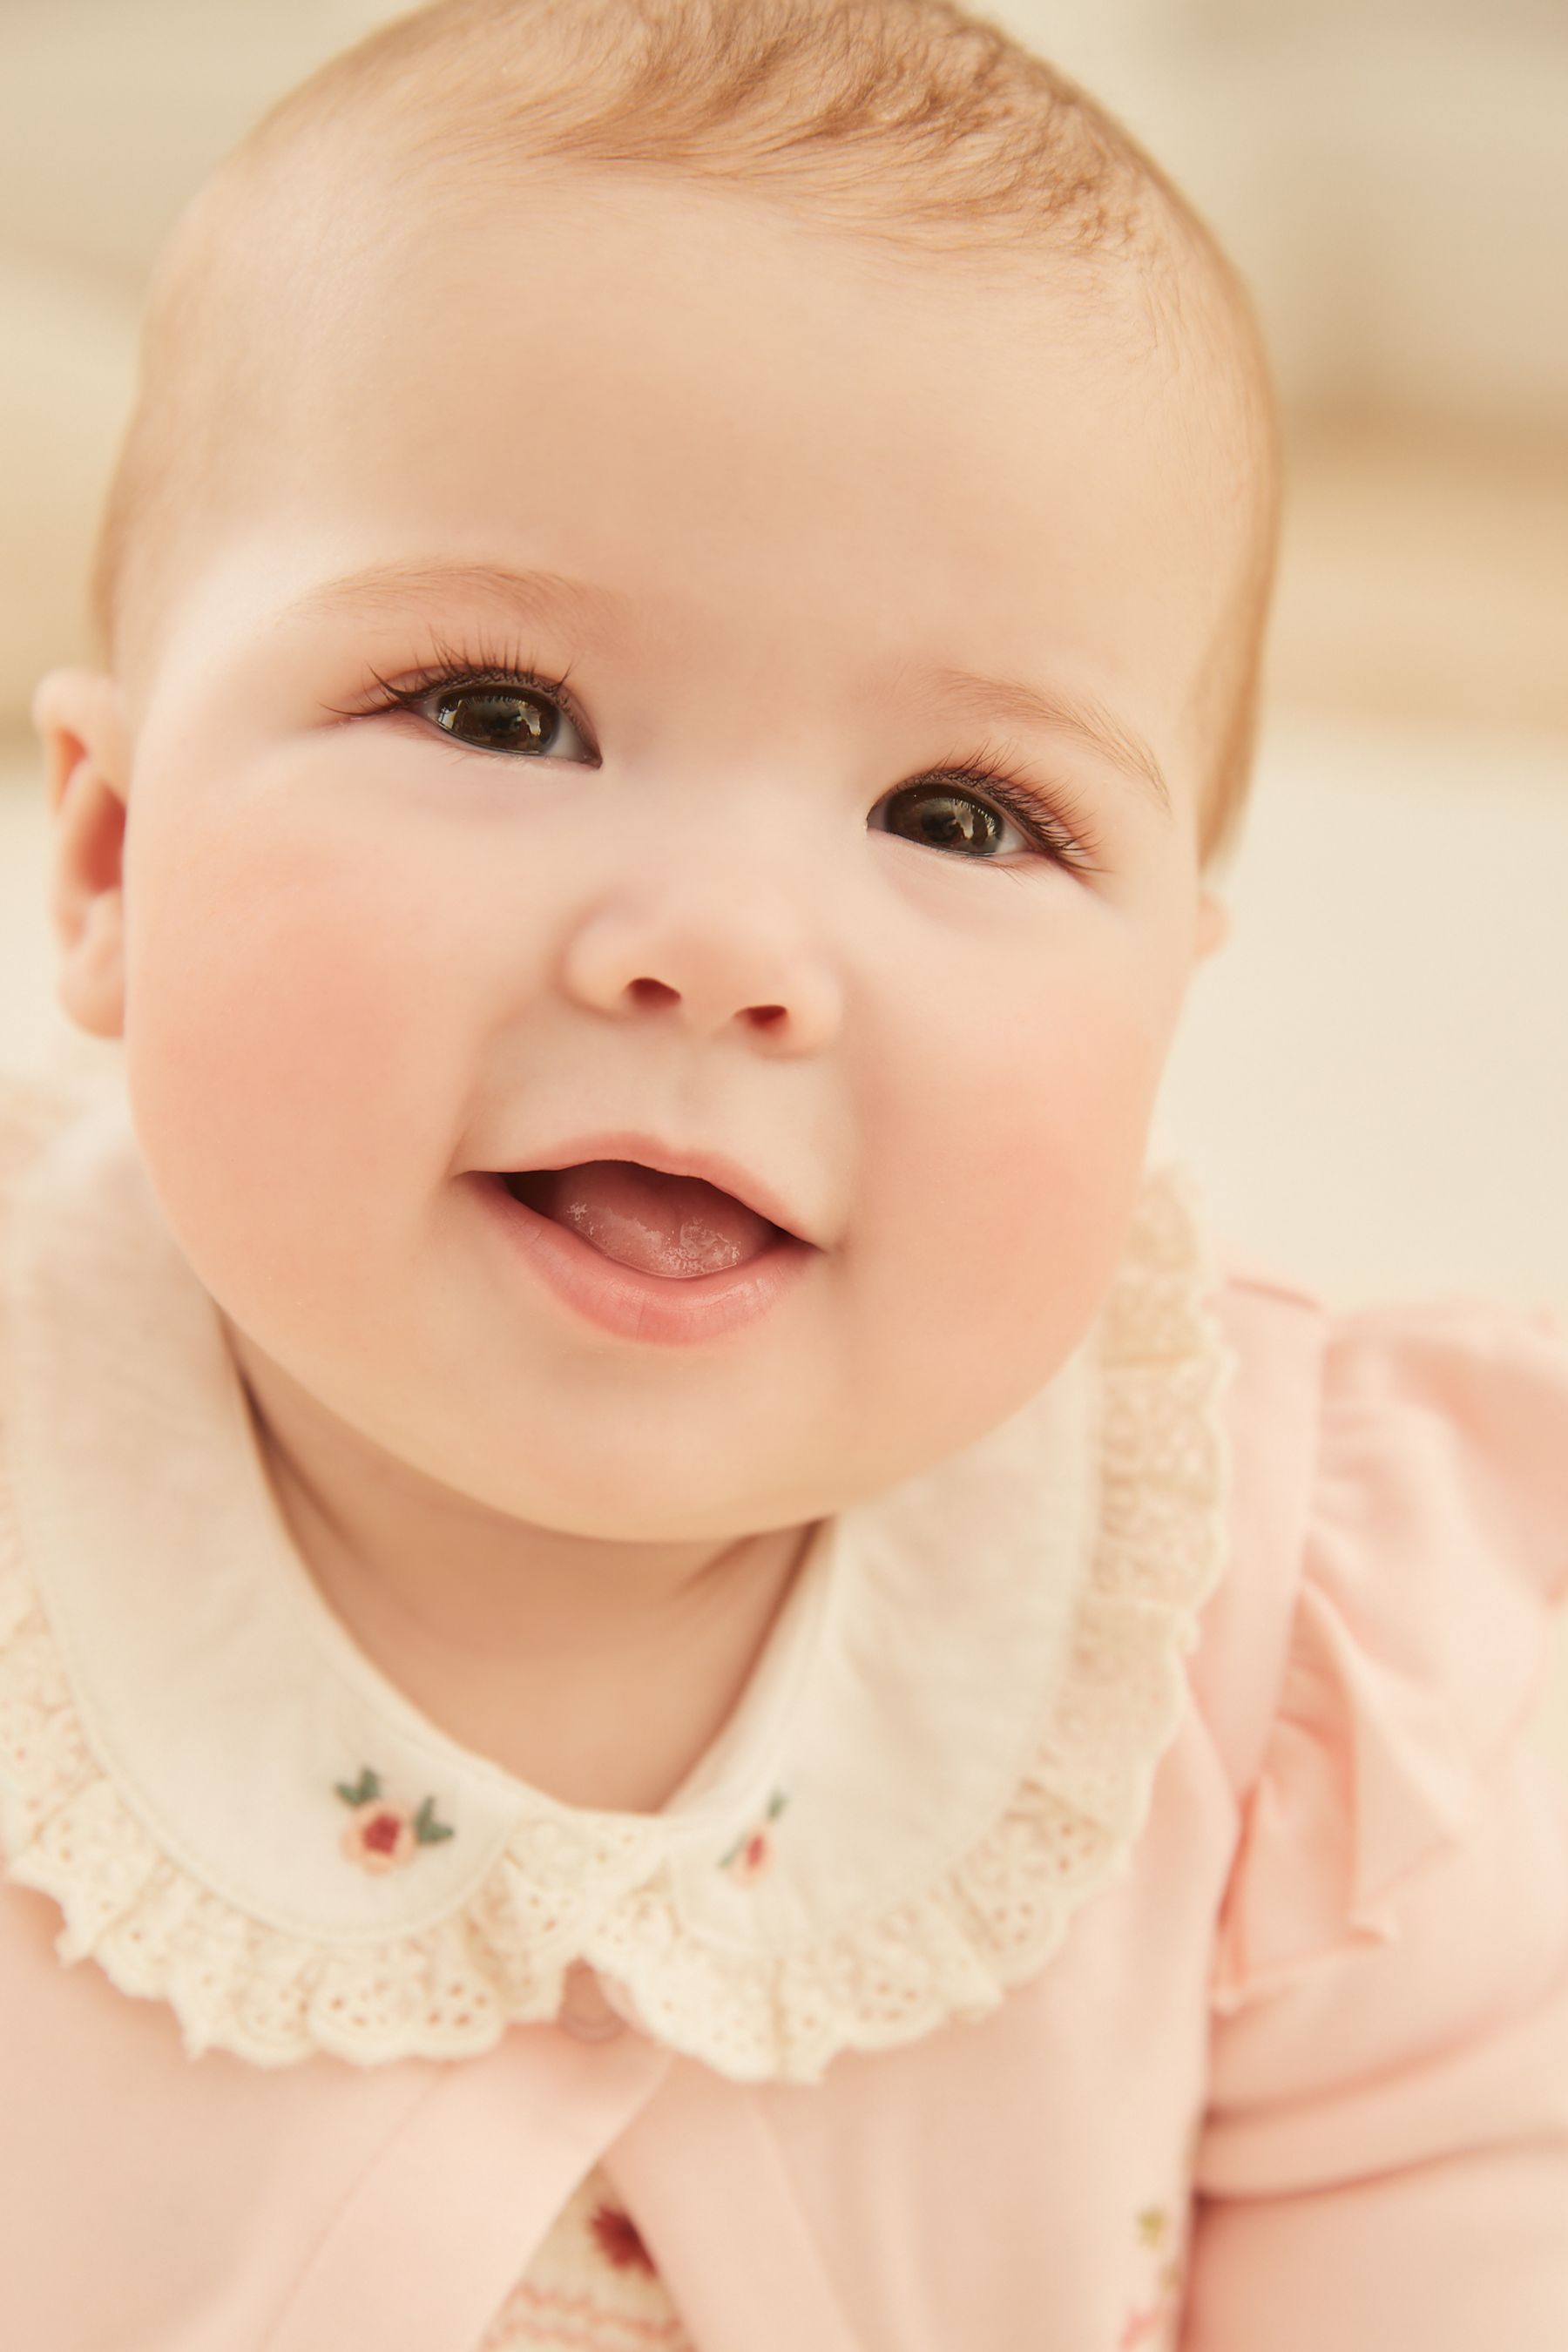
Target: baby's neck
(599, 1673)
(614, 1729)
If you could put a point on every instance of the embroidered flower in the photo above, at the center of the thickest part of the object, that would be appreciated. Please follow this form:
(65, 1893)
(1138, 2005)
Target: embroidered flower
(1149, 2323)
(385, 1835)
(753, 1851)
(619, 2238)
(1140, 2326)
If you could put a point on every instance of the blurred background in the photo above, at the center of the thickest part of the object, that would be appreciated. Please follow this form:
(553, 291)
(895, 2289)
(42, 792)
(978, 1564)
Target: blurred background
(1371, 1084)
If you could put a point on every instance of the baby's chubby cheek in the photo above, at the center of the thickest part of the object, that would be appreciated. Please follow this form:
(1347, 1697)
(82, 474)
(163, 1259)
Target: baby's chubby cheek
(296, 1049)
(997, 1240)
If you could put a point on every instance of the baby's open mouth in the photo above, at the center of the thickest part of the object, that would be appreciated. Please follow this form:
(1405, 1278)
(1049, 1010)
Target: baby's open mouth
(678, 1227)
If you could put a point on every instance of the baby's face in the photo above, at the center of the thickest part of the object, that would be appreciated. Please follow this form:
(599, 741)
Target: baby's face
(724, 891)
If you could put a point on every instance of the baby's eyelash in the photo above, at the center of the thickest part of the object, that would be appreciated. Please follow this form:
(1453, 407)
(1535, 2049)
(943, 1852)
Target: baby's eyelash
(476, 665)
(1068, 842)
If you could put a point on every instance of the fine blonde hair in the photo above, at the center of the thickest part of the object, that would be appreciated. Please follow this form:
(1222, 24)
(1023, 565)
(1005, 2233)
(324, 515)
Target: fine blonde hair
(911, 125)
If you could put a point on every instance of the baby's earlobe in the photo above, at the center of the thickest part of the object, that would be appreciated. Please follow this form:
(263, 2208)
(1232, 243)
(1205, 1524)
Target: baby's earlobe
(90, 980)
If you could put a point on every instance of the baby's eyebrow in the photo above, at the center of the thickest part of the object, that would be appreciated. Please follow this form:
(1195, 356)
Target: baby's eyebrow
(381, 589)
(389, 587)
(1048, 709)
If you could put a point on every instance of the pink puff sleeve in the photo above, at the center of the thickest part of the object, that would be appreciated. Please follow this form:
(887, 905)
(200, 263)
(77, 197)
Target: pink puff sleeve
(1382, 2164)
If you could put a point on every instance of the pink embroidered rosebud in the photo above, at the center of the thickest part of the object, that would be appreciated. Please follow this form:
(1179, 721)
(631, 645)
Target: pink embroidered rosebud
(619, 2238)
(751, 1852)
(385, 1835)
(755, 1859)
(381, 1837)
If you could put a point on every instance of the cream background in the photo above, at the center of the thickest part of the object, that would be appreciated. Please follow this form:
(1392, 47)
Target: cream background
(1372, 1080)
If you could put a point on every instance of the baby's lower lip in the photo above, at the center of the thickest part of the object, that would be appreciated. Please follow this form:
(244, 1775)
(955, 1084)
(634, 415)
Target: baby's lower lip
(658, 1308)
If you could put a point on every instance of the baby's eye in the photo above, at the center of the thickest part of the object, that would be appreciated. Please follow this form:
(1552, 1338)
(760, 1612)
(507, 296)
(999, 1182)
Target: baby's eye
(497, 717)
(944, 815)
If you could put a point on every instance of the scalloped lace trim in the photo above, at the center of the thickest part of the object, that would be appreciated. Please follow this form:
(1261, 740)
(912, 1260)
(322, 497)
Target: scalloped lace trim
(990, 1922)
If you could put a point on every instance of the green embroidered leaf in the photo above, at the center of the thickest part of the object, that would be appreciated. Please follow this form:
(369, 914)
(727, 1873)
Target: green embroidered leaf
(367, 1786)
(777, 1803)
(426, 1828)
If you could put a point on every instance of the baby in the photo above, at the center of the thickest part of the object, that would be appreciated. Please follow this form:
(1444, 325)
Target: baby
(697, 1676)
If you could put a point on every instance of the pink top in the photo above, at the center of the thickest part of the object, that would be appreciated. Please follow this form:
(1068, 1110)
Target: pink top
(1123, 1911)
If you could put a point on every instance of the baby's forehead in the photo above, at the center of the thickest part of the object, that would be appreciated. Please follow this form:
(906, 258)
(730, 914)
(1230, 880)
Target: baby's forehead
(582, 301)
(359, 257)
(340, 256)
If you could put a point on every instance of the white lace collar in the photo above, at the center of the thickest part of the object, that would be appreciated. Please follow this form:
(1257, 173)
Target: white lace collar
(948, 1746)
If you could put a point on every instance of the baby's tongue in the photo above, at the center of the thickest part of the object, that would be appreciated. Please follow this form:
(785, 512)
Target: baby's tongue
(662, 1224)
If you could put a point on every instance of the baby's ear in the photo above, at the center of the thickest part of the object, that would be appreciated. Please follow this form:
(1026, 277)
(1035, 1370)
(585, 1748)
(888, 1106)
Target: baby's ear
(1213, 924)
(80, 718)
(81, 713)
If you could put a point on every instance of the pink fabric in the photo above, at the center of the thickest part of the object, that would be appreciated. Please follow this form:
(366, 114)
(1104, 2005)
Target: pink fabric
(1296, 2079)
(1384, 2159)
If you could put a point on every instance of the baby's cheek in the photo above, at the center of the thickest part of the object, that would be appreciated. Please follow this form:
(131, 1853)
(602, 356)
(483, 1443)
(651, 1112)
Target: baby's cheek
(281, 1032)
(998, 1257)
(1064, 1170)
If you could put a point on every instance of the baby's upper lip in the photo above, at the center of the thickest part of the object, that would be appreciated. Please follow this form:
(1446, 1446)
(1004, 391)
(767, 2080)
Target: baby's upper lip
(673, 1159)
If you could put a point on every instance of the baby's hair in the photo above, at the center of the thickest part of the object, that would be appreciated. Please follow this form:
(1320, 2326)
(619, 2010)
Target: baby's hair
(907, 127)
